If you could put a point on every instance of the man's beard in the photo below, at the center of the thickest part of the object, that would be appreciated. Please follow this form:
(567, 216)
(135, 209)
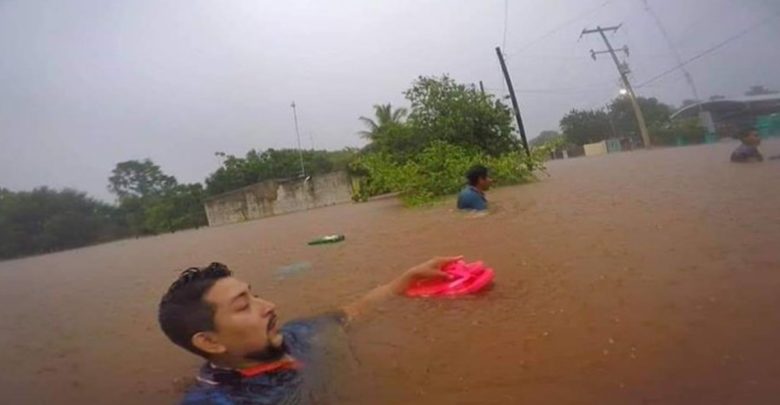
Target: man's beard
(269, 354)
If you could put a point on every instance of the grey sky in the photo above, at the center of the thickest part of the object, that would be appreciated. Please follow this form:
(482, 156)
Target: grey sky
(86, 84)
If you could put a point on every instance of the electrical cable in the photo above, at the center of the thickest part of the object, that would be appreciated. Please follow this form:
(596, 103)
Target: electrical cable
(709, 50)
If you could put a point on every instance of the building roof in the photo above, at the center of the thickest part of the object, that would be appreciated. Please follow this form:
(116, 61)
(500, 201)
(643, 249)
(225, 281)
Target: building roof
(765, 102)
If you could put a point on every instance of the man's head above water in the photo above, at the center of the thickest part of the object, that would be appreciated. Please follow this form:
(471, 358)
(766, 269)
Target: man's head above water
(477, 177)
(750, 137)
(215, 315)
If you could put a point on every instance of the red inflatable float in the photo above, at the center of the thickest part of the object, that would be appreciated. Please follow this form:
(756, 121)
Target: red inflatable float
(462, 278)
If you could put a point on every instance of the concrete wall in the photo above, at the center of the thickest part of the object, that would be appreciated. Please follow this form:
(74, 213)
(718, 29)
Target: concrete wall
(274, 197)
(595, 149)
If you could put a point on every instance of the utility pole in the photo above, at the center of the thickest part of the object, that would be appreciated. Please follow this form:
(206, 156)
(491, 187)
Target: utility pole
(482, 87)
(611, 124)
(519, 119)
(298, 134)
(623, 70)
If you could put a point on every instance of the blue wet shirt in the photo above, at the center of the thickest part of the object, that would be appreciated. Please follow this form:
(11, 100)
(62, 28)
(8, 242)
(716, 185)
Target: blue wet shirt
(283, 385)
(470, 198)
(746, 153)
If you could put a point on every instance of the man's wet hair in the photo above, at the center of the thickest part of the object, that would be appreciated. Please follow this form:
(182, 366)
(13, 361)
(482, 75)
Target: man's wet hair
(183, 312)
(475, 173)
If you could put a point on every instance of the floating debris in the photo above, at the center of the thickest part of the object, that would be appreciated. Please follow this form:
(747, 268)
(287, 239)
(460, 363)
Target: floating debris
(335, 238)
(292, 269)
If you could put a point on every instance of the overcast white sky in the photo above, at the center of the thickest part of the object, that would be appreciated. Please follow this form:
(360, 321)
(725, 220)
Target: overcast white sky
(85, 84)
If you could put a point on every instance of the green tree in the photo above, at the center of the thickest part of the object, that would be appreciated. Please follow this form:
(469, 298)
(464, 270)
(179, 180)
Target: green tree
(444, 110)
(622, 114)
(180, 208)
(385, 117)
(152, 202)
(688, 131)
(134, 178)
(388, 132)
(545, 137)
(581, 127)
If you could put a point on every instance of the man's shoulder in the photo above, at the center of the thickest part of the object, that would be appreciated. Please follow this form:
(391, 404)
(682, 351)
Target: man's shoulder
(204, 394)
(468, 193)
(745, 152)
(469, 198)
(299, 333)
(467, 190)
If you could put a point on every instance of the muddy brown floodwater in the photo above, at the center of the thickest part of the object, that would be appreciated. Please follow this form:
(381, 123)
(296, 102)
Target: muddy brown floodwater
(643, 277)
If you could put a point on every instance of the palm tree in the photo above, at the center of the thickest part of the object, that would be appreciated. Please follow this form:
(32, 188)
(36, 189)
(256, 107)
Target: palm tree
(385, 118)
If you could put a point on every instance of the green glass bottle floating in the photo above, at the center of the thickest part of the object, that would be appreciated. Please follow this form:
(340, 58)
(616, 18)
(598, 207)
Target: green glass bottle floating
(327, 239)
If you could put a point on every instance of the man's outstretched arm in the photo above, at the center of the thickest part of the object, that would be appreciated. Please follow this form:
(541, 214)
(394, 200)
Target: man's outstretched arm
(427, 270)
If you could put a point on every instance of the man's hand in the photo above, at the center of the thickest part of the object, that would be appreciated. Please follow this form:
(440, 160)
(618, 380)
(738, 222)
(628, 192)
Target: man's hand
(426, 270)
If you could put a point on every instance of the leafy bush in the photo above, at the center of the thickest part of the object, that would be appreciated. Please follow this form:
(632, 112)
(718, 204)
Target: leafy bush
(437, 170)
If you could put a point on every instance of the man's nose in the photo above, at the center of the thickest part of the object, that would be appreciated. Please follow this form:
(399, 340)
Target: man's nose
(268, 307)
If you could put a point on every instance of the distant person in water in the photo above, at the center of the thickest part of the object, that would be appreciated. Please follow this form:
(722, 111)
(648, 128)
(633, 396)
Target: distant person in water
(472, 197)
(250, 357)
(748, 151)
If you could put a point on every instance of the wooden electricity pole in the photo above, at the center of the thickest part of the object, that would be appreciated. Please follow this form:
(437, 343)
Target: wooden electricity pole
(519, 119)
(623, 70)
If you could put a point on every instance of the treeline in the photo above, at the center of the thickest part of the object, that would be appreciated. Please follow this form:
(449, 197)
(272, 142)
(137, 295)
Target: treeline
(148, 201)
(616, 120)
(46, 220)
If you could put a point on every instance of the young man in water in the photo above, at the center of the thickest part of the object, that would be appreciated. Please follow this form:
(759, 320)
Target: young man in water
(472, 197)
(250, 359)
(748, 151)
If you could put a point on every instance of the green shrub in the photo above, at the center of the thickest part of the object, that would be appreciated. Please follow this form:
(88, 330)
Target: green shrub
(437, 170)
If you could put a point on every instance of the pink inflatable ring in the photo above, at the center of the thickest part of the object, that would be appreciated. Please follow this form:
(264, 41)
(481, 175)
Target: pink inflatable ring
(462, 278)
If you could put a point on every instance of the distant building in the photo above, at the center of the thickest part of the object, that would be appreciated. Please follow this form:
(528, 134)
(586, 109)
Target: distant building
(726, 117)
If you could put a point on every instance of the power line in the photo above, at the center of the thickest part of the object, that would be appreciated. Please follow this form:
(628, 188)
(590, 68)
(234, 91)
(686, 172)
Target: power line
(677, 56)
(710, 50)
(560, 27)
(562, 91)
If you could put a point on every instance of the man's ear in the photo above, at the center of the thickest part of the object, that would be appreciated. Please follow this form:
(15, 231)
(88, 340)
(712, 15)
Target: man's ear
(208, 343)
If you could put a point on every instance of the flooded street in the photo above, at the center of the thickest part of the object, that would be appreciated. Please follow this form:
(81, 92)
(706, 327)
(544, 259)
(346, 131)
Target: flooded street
(642, 277)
